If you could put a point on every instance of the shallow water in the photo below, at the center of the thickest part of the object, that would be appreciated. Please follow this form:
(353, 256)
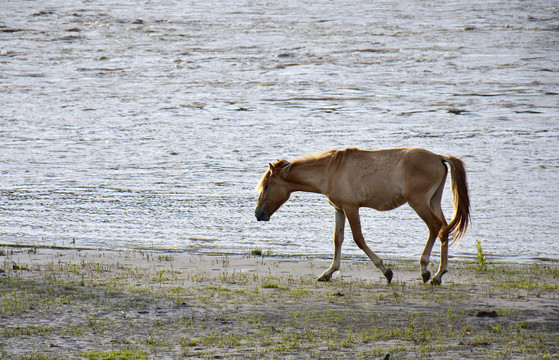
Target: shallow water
(126, 125)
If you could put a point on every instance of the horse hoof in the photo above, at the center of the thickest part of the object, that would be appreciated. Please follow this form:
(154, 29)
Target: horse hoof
(435, 282)
(426, 276)
(324, 278)
(388, 274)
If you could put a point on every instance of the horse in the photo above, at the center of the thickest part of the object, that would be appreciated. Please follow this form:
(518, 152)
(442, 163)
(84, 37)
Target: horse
(382, 180)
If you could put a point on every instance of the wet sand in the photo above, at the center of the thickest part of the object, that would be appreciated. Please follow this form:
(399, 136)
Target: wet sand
(72, 303)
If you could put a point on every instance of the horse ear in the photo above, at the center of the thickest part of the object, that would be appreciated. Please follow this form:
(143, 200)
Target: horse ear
(271, 168)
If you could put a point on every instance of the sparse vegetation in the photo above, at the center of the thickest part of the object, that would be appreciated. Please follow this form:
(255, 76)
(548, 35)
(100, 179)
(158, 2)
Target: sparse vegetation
(127, 354)
(481, 262)
(124, 310)
(260, 252)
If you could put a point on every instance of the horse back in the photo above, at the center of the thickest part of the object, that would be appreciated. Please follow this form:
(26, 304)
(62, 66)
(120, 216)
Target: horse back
(380, 179)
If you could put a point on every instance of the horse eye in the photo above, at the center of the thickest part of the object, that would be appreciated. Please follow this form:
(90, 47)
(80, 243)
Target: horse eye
(265, 187)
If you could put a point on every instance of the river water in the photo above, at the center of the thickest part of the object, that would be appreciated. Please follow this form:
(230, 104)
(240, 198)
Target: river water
(147, 124)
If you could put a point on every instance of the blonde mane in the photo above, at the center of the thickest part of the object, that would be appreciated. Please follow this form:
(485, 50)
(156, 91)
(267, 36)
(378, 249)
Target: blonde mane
(284, 166)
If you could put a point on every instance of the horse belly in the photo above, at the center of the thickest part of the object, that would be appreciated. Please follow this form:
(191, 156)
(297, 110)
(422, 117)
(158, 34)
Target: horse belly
(380, 192)
(384, 203)
(370, 179)
(383, 187)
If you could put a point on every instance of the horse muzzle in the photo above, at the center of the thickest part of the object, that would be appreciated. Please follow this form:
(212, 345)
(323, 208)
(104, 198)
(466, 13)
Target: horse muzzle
(261, 214)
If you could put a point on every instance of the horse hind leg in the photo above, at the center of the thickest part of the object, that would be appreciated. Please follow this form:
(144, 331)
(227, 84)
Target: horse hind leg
(435, 224)
(443, 266)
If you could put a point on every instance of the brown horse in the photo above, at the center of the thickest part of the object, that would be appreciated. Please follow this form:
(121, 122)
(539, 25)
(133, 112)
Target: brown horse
(382, 180)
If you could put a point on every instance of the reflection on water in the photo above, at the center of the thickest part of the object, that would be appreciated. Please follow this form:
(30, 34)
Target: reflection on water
(149, 126)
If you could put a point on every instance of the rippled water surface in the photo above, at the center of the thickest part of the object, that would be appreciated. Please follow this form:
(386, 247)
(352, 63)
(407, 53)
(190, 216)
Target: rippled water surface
(129, 124)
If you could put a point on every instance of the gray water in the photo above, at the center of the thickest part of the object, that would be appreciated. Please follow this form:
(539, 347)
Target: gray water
(147, 124)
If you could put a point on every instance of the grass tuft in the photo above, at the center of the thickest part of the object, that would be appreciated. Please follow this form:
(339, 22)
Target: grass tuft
(481, 261)
(127, 354)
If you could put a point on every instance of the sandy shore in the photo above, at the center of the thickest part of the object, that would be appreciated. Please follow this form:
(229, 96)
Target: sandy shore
(68, 303)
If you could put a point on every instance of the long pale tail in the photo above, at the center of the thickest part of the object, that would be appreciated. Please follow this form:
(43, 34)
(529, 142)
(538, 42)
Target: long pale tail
(460, 199)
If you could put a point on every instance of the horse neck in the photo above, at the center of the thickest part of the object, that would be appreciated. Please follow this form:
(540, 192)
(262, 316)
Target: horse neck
(309, 175)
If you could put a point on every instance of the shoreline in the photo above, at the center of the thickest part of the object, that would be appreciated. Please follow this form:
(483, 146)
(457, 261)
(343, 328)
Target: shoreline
(142, 304)
(269, 253)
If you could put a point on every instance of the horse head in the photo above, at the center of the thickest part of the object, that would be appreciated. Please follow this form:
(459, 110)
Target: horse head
(274, 190)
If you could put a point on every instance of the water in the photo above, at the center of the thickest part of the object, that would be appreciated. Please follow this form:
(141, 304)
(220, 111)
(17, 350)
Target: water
(129, 124)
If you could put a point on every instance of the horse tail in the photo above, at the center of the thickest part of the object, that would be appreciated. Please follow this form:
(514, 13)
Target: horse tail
(460, 200)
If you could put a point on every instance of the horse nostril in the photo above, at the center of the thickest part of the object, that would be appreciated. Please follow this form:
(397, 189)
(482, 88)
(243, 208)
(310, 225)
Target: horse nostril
(261, 215)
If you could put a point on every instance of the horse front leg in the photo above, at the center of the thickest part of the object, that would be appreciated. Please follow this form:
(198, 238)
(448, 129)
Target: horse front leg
(355, 223)
(338, 240)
